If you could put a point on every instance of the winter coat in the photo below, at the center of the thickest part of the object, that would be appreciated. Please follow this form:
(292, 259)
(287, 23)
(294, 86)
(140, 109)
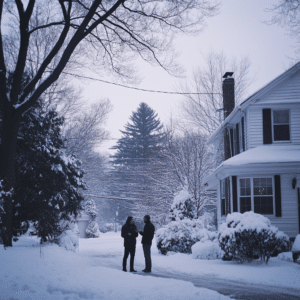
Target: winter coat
(129, 240)
(148, 233)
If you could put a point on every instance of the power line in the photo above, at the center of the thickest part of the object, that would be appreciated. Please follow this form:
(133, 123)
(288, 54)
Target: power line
(138, 89)
(114, 198)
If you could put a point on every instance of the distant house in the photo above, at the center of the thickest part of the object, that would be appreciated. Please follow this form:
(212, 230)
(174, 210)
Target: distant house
(261, 136)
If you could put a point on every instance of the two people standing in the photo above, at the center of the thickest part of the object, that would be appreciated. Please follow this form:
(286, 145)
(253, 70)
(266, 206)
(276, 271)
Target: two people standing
(129, 233)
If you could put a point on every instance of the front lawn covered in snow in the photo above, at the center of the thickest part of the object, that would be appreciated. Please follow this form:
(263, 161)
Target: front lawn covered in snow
(29, 271)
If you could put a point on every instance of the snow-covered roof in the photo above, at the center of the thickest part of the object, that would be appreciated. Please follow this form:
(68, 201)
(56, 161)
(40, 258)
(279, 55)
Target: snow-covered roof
(261, 159)
(254, 97)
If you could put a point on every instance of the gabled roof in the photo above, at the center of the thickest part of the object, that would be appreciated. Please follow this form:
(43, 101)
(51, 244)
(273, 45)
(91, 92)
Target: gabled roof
(256, 96)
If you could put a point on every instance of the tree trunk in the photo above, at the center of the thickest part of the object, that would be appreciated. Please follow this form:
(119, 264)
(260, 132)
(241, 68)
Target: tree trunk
(10, 127)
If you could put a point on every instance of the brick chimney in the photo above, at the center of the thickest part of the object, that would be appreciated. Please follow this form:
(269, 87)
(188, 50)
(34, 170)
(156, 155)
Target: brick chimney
(228, 107)
(228, 94)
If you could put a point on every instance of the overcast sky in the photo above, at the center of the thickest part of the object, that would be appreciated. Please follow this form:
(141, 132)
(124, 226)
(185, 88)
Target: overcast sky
(238, 30)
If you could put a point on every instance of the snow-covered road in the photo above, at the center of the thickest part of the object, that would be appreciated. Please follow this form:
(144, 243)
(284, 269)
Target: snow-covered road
(278, 281)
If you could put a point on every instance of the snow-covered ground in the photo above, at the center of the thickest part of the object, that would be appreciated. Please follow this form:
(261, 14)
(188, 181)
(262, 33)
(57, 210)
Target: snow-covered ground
(29, 271)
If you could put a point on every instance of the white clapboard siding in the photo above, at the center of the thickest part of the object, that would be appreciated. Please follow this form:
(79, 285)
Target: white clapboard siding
(289, 222)
(287, 91)
(295, 124)
(285, 96)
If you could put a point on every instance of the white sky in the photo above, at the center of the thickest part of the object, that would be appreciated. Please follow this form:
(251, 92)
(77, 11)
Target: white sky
(237, 31)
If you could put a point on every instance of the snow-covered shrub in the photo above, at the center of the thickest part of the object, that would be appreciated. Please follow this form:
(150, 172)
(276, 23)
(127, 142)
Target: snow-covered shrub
(92, 231)
(182, 206)
(296, 244)
(207, 250)
(69, 238)
(90, 208)
(247, 236)
(180, 236)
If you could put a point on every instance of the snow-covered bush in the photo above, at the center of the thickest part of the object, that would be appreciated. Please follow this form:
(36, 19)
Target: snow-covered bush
(207, 250)
(180, 236)
(69, 238)
(92, 231)
(296, 244)
(90, 208)
(182, 206)
(247, 236)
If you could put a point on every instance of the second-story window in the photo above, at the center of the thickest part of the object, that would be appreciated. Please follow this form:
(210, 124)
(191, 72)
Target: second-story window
(281, 125)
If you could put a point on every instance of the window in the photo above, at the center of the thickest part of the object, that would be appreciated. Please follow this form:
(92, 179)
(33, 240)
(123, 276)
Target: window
(245, 195)
(256, 194)
(263, 196)
(225, 197)
(281, 125)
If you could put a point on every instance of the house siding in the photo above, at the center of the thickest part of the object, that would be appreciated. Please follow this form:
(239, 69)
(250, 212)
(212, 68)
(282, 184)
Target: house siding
(289, 221)
(255, 130)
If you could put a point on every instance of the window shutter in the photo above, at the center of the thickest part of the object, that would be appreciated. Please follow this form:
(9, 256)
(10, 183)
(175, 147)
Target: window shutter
(227, 200)
(267, 126)
(237, 132)
(277, 196)
(243, 132)
(234, 194)
(231, 143)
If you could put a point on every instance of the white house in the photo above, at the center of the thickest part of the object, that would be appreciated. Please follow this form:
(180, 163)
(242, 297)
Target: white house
(261, 170)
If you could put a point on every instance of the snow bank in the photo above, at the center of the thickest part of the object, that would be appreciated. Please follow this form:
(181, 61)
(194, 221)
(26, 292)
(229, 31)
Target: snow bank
(207, 250)
(69, 239)
(31, 272)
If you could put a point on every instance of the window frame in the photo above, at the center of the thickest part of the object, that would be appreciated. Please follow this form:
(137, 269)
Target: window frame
(252, 193)
(273, 125)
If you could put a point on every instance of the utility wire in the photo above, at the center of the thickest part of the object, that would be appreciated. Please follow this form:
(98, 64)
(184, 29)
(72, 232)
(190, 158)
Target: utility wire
(138, 89)
(113, 198)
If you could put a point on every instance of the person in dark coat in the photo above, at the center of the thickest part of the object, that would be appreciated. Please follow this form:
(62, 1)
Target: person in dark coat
(129, 233)
(147, 238)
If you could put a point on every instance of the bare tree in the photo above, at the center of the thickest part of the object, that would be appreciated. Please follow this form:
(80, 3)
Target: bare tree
(189, 160)
(287, 14)
(205, 109)
(113, 30)
(85, 131)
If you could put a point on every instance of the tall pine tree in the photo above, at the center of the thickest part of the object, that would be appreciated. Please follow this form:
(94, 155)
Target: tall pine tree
(141, 139)
(135, 167)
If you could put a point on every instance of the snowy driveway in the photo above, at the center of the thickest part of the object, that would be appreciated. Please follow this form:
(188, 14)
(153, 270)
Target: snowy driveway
(277, 280)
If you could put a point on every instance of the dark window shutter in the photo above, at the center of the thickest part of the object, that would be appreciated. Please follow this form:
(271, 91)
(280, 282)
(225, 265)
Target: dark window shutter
(277, 195)
(237, 131)
(243, 132)
(223, 212)
(227, 200)
(267, 126)
(231, 142)
(234, 194)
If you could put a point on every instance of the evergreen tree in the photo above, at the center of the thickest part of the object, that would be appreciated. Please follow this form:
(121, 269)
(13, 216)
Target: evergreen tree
(134, 172)
(141, 139)
(47, 180)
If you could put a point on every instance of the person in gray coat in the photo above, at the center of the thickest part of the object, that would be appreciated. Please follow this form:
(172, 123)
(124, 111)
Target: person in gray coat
(147, 238)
